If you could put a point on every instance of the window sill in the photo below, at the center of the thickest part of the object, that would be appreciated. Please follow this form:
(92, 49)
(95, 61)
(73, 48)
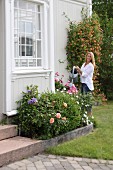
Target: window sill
(21, 72)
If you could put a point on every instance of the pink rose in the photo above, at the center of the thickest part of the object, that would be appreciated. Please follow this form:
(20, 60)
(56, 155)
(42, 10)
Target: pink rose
(56, 79)
(51, 120)
(58, 115)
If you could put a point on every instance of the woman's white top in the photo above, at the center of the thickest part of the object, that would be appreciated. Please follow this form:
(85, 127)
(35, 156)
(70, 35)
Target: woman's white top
(87, 75)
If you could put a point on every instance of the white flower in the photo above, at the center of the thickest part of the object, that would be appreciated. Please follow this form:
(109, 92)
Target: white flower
(64, 88)
(76, 96)
(84, 115)
(77, 102)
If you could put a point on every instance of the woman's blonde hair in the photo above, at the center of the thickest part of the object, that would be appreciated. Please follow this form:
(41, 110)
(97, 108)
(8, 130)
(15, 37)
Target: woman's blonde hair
(92, 58)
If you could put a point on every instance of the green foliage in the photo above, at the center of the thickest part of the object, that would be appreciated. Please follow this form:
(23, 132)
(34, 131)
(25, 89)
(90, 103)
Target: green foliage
(102, 7)
(105, 10)
(83, 37)
(49, 114)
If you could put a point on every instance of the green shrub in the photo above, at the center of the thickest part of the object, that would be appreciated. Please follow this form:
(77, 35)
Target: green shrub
(49, 114)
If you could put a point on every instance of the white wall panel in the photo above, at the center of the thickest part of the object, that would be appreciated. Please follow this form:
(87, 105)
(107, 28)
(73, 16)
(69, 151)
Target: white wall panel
(20, 84)
(72, 9)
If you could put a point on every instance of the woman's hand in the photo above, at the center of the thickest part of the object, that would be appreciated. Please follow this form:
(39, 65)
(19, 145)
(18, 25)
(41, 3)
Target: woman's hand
(78, 70)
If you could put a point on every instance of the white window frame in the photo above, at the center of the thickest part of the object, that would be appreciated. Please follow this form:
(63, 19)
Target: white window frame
(44, 37)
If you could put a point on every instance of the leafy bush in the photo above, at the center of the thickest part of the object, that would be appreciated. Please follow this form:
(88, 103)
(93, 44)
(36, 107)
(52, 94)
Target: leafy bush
(49, 114)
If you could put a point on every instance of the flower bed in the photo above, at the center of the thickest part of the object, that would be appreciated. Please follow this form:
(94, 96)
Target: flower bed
(51, 114)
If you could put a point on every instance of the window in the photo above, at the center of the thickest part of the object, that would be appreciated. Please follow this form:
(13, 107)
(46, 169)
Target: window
(27, 34)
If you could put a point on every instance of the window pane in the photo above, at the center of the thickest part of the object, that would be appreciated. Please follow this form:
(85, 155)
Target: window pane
(23, 40)
(39, 62)
(24, 63)
(38, 22)
(23, 50)
(15, 4)
(31, 7)
(22, 26)
(16, 50)
(38, 35)
(17, 63)
(38, 49)
(32, 63)
(22, 4)
(29, 51)
(29, 40)
(38, 8)
(29, 27)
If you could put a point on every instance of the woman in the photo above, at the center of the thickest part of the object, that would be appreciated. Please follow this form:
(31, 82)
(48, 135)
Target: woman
(86, 75)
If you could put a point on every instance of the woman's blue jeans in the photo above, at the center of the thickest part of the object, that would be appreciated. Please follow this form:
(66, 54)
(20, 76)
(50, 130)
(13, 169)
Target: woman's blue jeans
(85, 90)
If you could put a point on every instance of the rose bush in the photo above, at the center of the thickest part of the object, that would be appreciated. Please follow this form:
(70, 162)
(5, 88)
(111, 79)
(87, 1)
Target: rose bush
(50, 114)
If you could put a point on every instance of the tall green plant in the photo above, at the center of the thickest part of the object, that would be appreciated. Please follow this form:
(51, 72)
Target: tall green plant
(105, 11)
(83, 37)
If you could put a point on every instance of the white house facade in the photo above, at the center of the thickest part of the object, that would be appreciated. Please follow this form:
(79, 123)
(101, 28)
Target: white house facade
(33, 38)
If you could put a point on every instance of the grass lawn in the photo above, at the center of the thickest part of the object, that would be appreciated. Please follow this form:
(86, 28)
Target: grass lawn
(98, 144)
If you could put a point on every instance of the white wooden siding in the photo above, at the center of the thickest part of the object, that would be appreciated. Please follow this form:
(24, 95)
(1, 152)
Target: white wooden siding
(71, 8)
(20, 83)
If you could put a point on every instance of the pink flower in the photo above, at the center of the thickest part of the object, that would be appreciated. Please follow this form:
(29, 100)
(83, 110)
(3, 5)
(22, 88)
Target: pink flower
(56, 74)
(58, 115)
(57, 79)
(61, 81)
(51, 120)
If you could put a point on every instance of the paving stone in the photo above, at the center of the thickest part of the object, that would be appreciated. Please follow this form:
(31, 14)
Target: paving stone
(110, 162)
(87, 168)
(48, 164)
(50, 168)
(94, 165)
(78, 159)
(22, 168)
(20, 163)
(76, 166)
(104, 167)
(13, 166)
(86, 160)
(103, 161)
(55, 161)
(95, 161)
(110, 166)
(31, 168)
(26, 161)
(83, 163)
(5, 168)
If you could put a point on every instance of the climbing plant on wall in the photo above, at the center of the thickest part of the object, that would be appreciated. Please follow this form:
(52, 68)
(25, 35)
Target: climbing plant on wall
(82, 37)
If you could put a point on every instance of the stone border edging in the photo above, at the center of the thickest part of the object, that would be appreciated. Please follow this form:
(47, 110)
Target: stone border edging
(67, 136)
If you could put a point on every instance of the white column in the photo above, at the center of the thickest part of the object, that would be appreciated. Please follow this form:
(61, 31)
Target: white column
(51, 32)
(89, 6)
(45, 26)
(7, 55)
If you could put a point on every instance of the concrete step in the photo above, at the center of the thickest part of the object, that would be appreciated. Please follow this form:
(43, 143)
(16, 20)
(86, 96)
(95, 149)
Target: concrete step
(17, 148)
(7, 131)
